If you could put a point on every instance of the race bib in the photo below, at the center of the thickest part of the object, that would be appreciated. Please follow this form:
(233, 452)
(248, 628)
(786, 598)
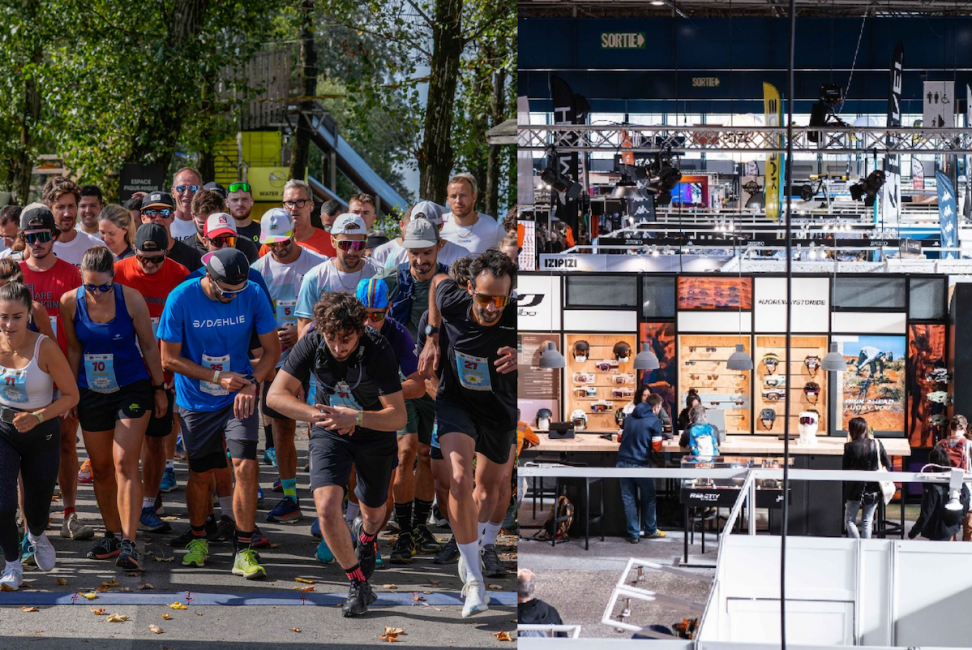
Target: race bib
(473, 371)
(99, 370)
(13, 385)
(342, 397)
(286, 314)
(214, 363)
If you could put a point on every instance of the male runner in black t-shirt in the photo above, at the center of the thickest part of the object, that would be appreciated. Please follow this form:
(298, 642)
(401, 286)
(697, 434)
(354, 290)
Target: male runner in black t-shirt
(359, 409)
(476, 398)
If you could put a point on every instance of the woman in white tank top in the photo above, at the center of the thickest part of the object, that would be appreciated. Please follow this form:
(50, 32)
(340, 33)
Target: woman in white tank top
(30, 365)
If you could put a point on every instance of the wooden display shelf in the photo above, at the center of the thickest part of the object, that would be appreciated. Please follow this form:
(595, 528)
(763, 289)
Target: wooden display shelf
(800, 347)
(602, 349)
(710, 353)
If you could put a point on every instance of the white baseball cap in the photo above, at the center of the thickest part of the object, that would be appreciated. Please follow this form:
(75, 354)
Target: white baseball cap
(220, 223)
(276, 225)
(349, 224)
(429, 210)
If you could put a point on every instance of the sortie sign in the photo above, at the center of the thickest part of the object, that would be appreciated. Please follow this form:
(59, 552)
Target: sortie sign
(622, 40)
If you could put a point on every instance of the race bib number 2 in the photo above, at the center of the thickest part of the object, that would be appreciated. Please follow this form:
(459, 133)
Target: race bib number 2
(214, 363)
(473, 371)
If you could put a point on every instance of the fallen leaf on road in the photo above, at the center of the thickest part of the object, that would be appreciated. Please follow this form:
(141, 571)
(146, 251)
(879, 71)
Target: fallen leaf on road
(145, 586)
(169, 518)
(102, 589)
(503, 636)
(495, 586)
(125, 590)
(98, 611)
(417, 598)
(311, 588)
(394, 630)
(29, 609)
(111, 583)
(133, 574)
(90, 595)
(166, 616)
(391, 634)
(27, 585)
(61, 581)
(390, 586)
(117, 618)
(6, 587)
(177, 605)
(426, 592)
(435, 582)
(295, 629)
(278, 546)
(163, 559)
(307, 581)
(155, 629)
(198, 613)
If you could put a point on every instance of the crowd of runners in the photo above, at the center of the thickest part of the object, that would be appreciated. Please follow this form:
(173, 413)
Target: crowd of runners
(176, 324)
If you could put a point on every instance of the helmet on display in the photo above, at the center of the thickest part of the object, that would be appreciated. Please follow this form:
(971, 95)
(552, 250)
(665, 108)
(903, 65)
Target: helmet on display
(622, 351)
(619, 416)
(767, 417)
(579, 419)
(582, 350)
(770, 360)
(543, 419)
(812, 363)
(811, 390)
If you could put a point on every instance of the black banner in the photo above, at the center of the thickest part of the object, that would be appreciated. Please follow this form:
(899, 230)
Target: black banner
(565, 112)
(891, 162)
(139, 178)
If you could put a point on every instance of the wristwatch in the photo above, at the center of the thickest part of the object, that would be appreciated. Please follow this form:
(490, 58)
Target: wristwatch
(251, 379)
(158, 387)
(359, 418)
(40, 416)
(430, 330)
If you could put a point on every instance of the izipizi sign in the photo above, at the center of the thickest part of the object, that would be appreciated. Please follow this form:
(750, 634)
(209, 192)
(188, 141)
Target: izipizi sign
(622, 40)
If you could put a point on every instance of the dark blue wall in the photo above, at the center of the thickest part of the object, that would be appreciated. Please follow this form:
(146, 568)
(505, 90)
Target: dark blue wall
(742, 53)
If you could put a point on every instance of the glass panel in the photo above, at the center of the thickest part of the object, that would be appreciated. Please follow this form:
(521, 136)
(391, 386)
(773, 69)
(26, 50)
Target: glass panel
(600, 291)
(659, 297)
(927, 298)
(869, 293)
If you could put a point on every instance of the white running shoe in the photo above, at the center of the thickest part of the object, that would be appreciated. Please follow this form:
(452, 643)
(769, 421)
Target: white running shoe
(44, 554)
(13, 575)
(477, 600)
(74, 529)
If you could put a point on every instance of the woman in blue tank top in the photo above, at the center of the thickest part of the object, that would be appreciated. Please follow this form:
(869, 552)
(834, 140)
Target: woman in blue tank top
(101, 321)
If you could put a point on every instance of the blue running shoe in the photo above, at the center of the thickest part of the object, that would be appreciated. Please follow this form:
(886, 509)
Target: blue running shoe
(27, 556)
(324, 555)
(180, 446)
(316, 529)
(277, 486)
(260, 498)
(270, 456)
(168, 480)
(150, 521)
(285, 512)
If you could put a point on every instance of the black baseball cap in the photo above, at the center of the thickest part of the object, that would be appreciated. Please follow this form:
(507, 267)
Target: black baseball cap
(37, 216)
(229, 265)
(375, 240)
(158, 200)
(213, 186)
(151, 238)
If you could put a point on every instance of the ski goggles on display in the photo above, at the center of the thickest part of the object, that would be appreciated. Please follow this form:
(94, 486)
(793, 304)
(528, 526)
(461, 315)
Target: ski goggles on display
(809, 419)
(774, 381)
(772, 395)
(585, 391)
(602, 407)
(584, 378)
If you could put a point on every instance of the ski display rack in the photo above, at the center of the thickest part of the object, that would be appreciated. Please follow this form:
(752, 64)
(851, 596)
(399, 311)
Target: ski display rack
(736, 139)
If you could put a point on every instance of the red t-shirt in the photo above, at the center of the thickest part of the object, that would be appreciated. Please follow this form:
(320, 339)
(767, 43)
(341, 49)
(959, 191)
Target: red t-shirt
(154, 288)
(319, 242)
(47, 287)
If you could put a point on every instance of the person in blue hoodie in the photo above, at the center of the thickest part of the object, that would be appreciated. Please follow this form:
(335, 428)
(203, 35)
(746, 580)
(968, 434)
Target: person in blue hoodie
(639, 428)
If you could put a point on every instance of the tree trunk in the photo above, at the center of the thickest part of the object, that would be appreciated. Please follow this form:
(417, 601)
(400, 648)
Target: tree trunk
(23, 164)
(308, 78)
(493, 161)
(436, 155)
(479, 167)
(164, 123)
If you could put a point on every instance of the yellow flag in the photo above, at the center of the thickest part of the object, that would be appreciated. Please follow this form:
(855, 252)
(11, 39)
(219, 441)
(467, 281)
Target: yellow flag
(774, 161)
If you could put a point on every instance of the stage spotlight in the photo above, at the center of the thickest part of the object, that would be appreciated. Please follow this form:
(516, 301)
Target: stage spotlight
(867, 189)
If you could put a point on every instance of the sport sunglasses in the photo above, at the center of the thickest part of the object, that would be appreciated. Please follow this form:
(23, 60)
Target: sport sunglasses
(154, 213)
(181, 189)
(223, 293)
(224, 240)
(498, 301)
(155, 259)
(376, 316)
(352, 245)
(239, 187)
(100, 288)
(43, 237)
(275, 244)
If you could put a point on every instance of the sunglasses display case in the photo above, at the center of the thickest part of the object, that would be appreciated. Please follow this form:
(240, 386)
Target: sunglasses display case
(808, 382)
(601, 384)
(702, 366)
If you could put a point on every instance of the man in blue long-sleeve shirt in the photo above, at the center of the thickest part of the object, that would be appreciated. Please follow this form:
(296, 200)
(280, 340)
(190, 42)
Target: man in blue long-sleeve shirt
(635, 451)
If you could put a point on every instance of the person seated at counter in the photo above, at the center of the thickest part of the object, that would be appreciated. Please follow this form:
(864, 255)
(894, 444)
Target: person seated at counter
(642, 435)
(641, 395)
(684, 421)
(696, 419)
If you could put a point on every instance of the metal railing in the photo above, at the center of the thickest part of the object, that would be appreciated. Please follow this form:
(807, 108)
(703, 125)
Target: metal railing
(573, 631)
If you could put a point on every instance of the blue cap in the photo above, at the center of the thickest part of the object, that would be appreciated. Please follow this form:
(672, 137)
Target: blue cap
(373, 293)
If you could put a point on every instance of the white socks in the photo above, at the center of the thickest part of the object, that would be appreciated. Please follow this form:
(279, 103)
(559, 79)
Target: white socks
(169, 464)
(226, 505)
(490, 532)
(148, 502)
(352, 511)
(470, 553)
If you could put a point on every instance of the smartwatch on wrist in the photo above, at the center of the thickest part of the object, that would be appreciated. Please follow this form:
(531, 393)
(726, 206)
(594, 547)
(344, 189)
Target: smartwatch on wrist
(40, 416)
(359, 418)
(158, 387)
(430, 330)
(251, 379)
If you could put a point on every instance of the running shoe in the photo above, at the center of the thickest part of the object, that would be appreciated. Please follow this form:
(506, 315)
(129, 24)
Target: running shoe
(128, 556)
(198, 552)
(425, 541)
(13, 577)
(404, 549)
(26, 552)
(259, 540)
(245, 564)
(364, 552)
(157, 506)
(270, 456)
(212, 529)
(324, 555)
(392, 526)
(108, 547)
(477, 600)
(149, 521)
(493, 568)
(43, 552)
(168, 480)
(379, 561)
(316, 529)
(277, 485)
(658, 534)
(74, 529)
(448, 554)
(84, 474)
(359, 597)
(436, 518)
(285, 512)
(225, 529)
